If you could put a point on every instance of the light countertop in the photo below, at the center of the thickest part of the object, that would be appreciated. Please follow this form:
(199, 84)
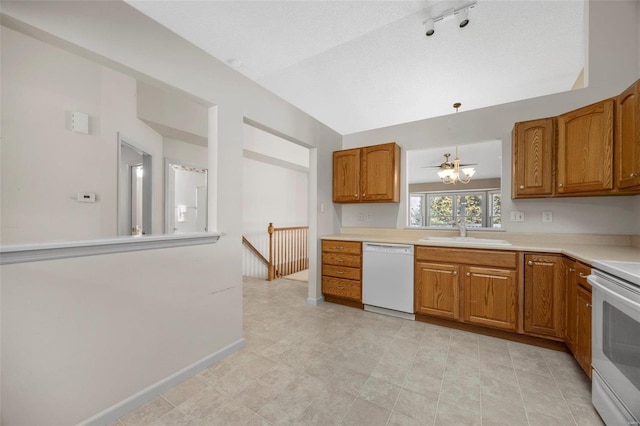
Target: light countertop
(584, 248)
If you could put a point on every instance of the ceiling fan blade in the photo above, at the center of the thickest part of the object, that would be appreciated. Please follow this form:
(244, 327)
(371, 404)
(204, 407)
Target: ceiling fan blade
(431, 167)
(469, 164)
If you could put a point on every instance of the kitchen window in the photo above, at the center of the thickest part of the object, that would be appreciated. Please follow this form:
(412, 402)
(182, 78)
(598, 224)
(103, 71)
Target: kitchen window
(476, 209)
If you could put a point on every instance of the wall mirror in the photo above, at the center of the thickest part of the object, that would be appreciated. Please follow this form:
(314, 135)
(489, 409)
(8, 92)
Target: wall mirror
(84, 148)
(475, 201)
(185, 197)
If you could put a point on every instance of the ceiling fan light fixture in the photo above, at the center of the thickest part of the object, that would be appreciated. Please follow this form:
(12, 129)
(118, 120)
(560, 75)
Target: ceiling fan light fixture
(469, 171)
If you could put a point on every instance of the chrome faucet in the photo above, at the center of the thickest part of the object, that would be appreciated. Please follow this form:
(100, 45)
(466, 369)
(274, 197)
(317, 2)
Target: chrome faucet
(462, 227)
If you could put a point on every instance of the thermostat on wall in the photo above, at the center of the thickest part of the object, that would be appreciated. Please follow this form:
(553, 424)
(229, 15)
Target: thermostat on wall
(86, 197)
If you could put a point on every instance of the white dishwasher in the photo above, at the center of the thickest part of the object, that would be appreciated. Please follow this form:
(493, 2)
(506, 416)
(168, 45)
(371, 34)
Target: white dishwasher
(387, 279)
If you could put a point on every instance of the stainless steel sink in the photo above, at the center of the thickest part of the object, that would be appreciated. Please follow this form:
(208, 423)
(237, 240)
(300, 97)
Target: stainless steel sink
(466, 240)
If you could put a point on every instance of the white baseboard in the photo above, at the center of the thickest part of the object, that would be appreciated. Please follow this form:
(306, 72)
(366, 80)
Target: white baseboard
(315, 301)
(123, 407)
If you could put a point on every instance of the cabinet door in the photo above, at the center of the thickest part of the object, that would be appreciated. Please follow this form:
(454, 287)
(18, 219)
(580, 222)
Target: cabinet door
(571, 285)
(628, 138)
(585, 149)
(346, 176)
(380, 179)
(532, 168)
(583, 346)
(544, 295)
(437, 290)
(491, 297)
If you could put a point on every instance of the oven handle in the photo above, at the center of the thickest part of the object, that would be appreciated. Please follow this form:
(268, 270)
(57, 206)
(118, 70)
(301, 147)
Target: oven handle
(633, 304)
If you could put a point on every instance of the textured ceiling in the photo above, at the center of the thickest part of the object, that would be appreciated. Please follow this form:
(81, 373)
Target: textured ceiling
(359, 65)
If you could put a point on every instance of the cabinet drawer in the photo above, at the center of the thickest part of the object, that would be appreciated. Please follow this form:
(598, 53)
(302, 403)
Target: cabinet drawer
(352, 247)
(341, 272)
(342, 288)
(340, 259)
(495, 258)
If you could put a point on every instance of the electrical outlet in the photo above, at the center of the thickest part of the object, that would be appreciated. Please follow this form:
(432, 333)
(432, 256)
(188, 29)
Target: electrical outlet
(547, 217)
(360, 217)
(517, 216)
(369, 217)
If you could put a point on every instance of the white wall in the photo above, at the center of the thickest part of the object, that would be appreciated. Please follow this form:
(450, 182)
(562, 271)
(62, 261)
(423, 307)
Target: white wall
(153, 307)
(611, 70)
(184, 151)
(270, 194)
(44, 163)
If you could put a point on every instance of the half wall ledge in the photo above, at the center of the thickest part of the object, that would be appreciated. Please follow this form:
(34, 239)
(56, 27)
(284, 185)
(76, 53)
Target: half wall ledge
(36, 252)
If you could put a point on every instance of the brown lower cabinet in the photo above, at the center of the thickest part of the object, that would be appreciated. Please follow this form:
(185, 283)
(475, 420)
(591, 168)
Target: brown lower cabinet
(578, 317)
(342, 271)
(474, 286)
(544, 295)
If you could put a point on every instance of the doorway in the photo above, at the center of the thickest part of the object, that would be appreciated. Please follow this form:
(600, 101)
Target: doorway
(134, 190)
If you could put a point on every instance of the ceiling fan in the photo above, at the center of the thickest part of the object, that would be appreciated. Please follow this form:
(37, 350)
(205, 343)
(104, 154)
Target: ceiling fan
(452, 172)
(448, 164)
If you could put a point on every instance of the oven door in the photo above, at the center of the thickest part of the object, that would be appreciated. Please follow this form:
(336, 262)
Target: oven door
(616, 337)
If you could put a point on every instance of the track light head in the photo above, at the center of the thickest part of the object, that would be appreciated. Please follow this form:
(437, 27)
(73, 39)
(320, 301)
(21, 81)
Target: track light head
(463, 17)
(430, 30)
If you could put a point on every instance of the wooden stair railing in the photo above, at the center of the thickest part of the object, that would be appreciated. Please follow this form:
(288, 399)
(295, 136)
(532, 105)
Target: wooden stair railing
(288, 250)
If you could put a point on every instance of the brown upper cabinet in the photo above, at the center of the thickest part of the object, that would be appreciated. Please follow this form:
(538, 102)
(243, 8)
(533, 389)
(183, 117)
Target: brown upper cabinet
(533, 155)
(627, 138)
(585, 149)
(591, 151)
(370, 174)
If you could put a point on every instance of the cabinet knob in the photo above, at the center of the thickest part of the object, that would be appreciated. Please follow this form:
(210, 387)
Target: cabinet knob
(560, 185)
(356, 195)
(364, 195)
(589, 305)
(633, 175)
(521, 186)
(530, 263)
(468, 274)
(455, 273)
(571, 270)
(581, 275)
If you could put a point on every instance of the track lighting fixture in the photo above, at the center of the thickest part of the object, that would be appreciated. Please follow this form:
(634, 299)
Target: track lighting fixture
(430, 29)
(463, 17)
(461, 12)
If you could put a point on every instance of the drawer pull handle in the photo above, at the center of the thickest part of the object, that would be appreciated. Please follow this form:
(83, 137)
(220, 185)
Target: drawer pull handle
(339, 260)
(340, 272)
(530, 263)
(589, 305)
(634, 175)
(581, 275)
(571, 270)
(341, 248)
(468, 274)
(340, 287)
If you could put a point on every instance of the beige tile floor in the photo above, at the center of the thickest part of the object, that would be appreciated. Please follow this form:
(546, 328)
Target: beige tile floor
(334, 365)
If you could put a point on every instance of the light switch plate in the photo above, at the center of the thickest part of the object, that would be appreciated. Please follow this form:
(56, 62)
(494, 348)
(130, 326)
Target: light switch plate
(80, 122)
(517, 216)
